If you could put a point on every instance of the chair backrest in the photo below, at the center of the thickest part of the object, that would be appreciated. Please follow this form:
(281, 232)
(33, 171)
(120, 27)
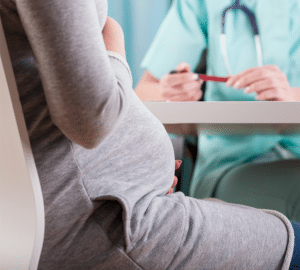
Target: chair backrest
(21, 202)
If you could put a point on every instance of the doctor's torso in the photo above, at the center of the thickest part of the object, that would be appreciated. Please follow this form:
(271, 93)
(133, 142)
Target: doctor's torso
(278, 30)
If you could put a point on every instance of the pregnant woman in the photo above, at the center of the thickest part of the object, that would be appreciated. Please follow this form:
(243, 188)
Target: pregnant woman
(106, 163)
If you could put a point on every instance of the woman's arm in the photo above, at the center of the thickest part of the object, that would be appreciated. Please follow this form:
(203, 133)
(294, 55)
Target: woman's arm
(113, 37)
(183, 86)
(84, 89)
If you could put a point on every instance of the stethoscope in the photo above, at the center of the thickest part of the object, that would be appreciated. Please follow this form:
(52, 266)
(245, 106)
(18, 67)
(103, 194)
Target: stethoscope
(252, 19)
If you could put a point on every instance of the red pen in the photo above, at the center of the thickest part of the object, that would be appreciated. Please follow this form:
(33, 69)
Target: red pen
(204, 77)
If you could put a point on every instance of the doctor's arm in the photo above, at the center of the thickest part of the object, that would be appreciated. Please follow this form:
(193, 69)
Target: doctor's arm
(148, 88)
(183, 86)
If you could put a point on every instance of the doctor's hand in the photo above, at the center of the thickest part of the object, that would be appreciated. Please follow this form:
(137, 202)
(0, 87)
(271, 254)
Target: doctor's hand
(269, 82)
(183, 86)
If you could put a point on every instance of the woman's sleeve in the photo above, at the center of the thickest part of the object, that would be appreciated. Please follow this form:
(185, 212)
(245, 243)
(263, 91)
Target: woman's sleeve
(84, 94)
(181, 38)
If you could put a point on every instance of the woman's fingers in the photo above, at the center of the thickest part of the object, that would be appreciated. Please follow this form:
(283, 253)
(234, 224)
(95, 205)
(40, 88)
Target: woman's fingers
(175, 182)
(177, 164)
(170, 191)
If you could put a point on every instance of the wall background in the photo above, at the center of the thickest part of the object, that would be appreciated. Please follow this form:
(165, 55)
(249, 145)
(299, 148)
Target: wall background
(140, 20)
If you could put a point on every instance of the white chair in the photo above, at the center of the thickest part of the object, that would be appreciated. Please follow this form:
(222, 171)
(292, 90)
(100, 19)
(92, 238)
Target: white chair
(21, 202)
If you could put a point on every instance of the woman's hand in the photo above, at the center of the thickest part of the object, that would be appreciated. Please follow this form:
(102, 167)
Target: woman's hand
(269, 82)
(177, 165)
(183, 86)
(113, 37)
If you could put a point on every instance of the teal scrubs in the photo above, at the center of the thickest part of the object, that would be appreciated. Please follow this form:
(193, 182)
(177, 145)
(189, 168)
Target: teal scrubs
(193, 25)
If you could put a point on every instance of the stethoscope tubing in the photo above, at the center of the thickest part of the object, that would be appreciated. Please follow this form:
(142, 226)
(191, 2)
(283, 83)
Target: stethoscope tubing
(223, 43)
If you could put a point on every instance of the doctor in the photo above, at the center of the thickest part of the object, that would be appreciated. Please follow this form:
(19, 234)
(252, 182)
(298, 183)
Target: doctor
(256, 43)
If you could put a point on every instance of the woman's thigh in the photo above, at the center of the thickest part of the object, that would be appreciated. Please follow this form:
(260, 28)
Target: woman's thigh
(187, 233)
(271, 185)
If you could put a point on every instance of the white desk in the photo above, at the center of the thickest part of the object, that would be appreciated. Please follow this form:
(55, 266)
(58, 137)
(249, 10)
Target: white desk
(231, 117)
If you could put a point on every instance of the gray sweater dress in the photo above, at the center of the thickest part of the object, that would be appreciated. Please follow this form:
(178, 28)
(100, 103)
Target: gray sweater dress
(106, 163)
